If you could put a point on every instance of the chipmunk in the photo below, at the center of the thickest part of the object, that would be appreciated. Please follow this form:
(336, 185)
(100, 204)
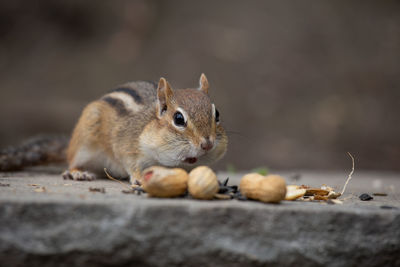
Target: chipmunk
(141, 124)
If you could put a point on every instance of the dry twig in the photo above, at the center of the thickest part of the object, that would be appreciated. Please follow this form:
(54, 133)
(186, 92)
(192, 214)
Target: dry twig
(351, 173)
(116, 180)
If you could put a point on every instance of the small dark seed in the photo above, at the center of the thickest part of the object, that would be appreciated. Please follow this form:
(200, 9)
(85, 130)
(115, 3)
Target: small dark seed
(365, 197)
(234, 188)
(226, 181)
(239, 196)
(222, 190)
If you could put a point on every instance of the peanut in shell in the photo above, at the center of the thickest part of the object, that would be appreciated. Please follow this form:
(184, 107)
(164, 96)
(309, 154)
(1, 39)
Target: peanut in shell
(269, 189)
(273, 188)
(164, 182)
(249, 185)
(203, 183)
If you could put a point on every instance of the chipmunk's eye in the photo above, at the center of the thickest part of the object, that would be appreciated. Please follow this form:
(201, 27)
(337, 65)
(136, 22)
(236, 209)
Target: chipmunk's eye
(216, 115)
(179, 120)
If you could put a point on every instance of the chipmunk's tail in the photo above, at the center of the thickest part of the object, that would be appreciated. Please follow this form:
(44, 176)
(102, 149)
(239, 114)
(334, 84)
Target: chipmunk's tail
(35, 151)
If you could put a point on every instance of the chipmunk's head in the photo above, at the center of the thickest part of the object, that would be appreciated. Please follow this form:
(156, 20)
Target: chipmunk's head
(191, 128)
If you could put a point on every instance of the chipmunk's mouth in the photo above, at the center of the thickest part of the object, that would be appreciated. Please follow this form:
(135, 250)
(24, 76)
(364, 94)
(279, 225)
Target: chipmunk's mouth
(190, 160)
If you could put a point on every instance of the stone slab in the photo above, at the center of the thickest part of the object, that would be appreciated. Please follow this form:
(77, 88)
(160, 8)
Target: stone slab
(68, 225)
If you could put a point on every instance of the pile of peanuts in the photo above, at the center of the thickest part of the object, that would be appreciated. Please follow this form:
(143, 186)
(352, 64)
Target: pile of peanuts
(202, 183)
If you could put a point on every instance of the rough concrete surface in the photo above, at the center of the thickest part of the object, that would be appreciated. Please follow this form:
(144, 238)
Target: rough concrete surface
(67, 225)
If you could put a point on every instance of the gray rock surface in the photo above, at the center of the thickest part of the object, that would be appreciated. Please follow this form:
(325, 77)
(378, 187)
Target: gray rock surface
(67, 225)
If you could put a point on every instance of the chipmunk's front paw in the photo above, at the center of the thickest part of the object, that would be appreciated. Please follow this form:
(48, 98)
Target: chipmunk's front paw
(78, 175)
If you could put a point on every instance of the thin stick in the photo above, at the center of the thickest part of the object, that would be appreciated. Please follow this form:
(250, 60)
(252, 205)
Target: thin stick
(116, 180)
(351, 173)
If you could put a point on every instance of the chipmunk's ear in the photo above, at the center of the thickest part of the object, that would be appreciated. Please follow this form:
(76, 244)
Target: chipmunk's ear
(164, 94)
(203, 83)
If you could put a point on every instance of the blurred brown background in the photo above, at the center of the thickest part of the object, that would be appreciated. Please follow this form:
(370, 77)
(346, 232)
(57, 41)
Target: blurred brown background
(298, 83)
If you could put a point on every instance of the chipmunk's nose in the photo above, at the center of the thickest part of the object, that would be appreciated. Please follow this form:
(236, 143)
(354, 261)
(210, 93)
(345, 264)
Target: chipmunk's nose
(207, 144)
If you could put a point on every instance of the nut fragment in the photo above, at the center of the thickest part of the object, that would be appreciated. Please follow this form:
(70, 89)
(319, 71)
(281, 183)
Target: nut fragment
(270, 188)
(294, 192)
(316, 191)
(203, 183)
(333, 195)
(319, 197)
(164, 182)
(222, 196)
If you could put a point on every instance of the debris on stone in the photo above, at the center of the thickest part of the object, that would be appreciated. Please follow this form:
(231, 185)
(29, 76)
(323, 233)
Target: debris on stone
(365, 197)
(327, 188)
(320, 197)
(4, 185)
(116, 180)
(334, 201)
(95, 189)
(166, 182)
(222, 196)
(350, 174)
(240, 197)
(225, 183)
(333, 195)
(41, 189)
(324, 193)
(316, 191)
(307, 193)
(135, 190)
(224, 188)
(386, 207)
(380, 194)
(128, 191)
(294, 192)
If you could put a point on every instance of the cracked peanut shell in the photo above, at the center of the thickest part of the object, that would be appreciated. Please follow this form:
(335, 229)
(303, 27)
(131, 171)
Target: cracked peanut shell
(294, 192)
